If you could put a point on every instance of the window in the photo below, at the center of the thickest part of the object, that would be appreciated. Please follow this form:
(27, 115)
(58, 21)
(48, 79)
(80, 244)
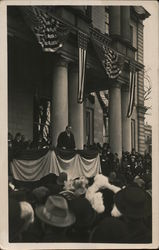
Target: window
(107, 20)
(133, 36)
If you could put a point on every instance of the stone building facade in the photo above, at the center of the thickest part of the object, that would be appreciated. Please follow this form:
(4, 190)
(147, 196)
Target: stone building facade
(54, 76)
(148, 139)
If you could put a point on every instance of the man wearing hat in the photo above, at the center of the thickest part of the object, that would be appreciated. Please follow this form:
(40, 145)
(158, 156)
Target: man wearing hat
(55, 217)
(135, 205)
(109, 230)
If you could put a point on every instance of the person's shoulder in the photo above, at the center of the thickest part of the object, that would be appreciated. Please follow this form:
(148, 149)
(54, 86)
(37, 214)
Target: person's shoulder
(62, 133)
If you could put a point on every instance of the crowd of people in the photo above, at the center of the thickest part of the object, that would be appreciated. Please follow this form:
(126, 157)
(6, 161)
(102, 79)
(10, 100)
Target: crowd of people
(19, 143)
(115, 205)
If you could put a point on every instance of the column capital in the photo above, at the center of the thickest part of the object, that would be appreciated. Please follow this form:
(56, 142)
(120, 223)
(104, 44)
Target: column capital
(116, 85)
(61, 62)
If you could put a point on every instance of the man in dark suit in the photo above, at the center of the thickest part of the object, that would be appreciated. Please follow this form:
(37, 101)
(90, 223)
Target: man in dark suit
(66, 139)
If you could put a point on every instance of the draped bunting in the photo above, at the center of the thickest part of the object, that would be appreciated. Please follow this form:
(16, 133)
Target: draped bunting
(131, 92)
(88, 154)
(108, 58)
(65, 154)
(82, 48)
(50, 32)
(33, 170)
(110, 62)
(32, 154)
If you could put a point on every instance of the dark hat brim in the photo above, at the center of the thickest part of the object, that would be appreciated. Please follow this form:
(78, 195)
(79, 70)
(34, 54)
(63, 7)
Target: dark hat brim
(119, 200)
(55, 220)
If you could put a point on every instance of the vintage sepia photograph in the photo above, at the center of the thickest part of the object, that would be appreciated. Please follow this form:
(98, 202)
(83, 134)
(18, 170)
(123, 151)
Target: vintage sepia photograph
(80, 160)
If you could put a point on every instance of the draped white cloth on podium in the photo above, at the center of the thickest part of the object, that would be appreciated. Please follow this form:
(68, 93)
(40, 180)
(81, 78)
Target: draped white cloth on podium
(33, 170)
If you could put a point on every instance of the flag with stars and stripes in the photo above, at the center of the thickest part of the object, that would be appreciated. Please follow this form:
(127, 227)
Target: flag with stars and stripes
(82, 48)
(108, 58)
(49, 31)
(110, 62)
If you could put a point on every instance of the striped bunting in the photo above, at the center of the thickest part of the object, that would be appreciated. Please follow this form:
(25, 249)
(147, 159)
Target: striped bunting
(108, 58)
(110, 62)
(82, 48)
(131, 93)
(49, 32)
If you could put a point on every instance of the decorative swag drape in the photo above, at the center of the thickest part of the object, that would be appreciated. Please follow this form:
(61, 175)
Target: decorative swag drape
(29, 167)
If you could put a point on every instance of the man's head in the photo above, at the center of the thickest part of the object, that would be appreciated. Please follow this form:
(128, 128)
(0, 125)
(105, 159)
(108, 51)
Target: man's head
(18, 137)
(68, 129)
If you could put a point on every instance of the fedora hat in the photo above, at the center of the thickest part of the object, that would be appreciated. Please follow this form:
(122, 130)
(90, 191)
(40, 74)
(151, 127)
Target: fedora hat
(55, 212)
(133, 202)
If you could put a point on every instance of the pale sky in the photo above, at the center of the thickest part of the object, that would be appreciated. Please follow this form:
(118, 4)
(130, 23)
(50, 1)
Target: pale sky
(151, 50)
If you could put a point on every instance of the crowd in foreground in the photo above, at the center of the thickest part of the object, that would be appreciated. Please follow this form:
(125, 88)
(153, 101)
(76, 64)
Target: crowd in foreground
(112, 207)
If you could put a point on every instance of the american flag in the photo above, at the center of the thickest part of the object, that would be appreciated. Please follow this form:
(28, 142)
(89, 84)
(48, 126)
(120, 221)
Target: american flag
(82, 47)
(49, 31)
(131, 92)
(110, 62)
(108, 58)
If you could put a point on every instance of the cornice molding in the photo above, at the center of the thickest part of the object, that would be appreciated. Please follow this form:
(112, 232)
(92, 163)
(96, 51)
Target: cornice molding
(98, 36)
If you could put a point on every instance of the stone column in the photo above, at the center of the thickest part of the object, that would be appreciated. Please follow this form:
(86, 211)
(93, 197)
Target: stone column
(126, 122)
(115, 120)
(125, 22)
(76, 110)
(115, 28)
(59, 99)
